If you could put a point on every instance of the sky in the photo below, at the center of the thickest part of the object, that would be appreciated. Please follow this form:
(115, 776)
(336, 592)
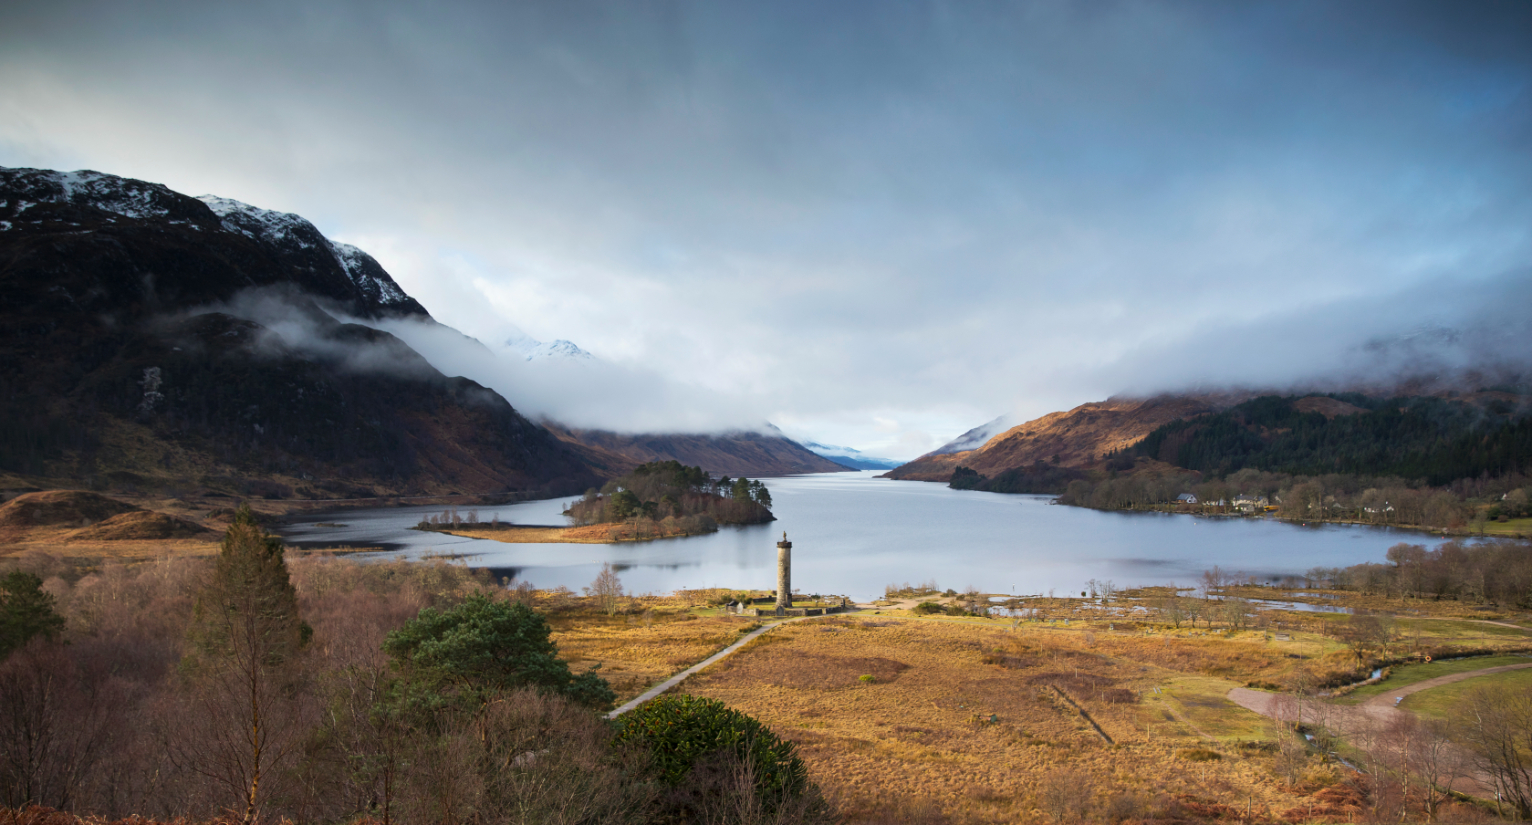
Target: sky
(874, 224)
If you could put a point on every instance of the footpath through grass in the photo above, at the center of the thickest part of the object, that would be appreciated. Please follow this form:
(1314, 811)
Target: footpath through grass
(1436, 703)
(1403, 675)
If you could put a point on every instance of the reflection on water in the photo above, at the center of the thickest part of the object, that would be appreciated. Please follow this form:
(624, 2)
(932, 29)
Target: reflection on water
(853, 534)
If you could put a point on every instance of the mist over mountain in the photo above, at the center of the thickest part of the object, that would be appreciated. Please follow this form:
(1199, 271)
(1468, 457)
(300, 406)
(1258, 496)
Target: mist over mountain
(155, 341)
(851, 457)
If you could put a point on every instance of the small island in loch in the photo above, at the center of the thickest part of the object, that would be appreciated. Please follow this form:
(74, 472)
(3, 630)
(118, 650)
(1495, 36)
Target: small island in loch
(657, 500)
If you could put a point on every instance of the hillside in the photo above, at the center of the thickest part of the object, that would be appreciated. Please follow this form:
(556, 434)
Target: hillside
(753, 454)
(154, 341)
(1077, 438)
(1438, 440)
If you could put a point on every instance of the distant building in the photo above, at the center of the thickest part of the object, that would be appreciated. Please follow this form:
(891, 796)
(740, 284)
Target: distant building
(1186, 498)
(1249, 504)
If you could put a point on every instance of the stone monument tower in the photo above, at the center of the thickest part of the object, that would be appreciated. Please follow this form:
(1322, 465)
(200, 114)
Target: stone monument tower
(784, 573)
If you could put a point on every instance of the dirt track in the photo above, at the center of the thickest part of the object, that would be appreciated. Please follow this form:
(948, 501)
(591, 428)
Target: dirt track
(1369, 717)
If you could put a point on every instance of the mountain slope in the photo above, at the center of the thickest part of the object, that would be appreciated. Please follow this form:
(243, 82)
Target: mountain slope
(752, 454)
(131, 357)
(1075, 438)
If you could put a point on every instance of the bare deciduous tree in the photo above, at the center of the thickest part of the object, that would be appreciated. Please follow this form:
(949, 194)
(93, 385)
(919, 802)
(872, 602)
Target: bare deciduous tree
(1494, 722)
(607, 589)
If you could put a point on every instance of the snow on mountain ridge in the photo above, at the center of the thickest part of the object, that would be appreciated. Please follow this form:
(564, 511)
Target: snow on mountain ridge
(288, 228)
(120, 196)
(356, 263)
(532, 349)
(262, 224)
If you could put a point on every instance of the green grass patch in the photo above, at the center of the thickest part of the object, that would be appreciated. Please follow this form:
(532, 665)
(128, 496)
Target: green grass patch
(1516, 526)
(1452, 630)
(1404, 675)
(1436, 703)
(1204, 702)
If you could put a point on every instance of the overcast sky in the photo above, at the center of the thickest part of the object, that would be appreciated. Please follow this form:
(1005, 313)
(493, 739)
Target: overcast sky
(874, 224)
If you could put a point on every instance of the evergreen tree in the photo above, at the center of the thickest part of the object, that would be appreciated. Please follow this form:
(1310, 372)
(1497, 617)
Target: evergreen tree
(245, 636)
(26, 611)
(480, 648)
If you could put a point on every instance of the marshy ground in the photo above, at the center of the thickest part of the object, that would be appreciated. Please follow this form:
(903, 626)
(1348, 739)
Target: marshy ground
(969, 719)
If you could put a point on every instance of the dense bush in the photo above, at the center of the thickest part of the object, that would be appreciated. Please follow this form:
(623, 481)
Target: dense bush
(679, 732)
(483, 647)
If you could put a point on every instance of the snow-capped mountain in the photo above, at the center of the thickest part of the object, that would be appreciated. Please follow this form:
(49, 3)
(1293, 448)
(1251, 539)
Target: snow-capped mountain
(851, 457)
(239, 344)
(533, 350)
(286, 230)
(264, 247)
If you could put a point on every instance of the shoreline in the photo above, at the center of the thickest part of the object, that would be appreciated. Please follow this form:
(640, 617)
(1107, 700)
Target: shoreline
(549, 534)
(1439, 532)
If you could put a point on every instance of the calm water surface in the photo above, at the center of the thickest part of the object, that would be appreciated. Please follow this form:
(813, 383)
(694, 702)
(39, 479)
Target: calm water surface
(853, 533)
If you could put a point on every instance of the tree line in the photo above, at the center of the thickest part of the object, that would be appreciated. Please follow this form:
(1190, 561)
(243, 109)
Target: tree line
(254, 689)
(1438, 440)
(1467, 504)
(1492, 572)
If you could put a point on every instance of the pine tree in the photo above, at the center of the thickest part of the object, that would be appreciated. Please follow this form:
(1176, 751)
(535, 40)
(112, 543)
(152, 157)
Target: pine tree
(245, 637)
(26, 610)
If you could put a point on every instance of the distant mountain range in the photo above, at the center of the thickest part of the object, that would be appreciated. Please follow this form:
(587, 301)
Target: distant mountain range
(850, 457)
(155, 342)
(764, 452)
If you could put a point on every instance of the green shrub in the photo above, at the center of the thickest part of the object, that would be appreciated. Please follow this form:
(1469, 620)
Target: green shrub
(483, 647)
(926, 608)
(682, 731)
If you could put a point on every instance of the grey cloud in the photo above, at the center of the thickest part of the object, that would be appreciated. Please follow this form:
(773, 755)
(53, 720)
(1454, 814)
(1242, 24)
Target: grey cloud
(825, 211)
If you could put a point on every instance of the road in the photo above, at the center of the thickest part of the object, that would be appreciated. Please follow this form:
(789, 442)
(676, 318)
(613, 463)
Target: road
(1364, 720)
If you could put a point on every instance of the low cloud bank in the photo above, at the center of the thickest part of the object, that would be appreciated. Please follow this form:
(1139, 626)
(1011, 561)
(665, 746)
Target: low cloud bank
(584, 393)
(1443, 334)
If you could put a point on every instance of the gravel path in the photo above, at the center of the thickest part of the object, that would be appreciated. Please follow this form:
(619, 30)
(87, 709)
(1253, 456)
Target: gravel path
(716, 657)
(1386, 700)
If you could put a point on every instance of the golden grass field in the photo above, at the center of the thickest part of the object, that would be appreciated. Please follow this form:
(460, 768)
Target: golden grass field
(652, 639)
(974, 716)
(982, 717)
